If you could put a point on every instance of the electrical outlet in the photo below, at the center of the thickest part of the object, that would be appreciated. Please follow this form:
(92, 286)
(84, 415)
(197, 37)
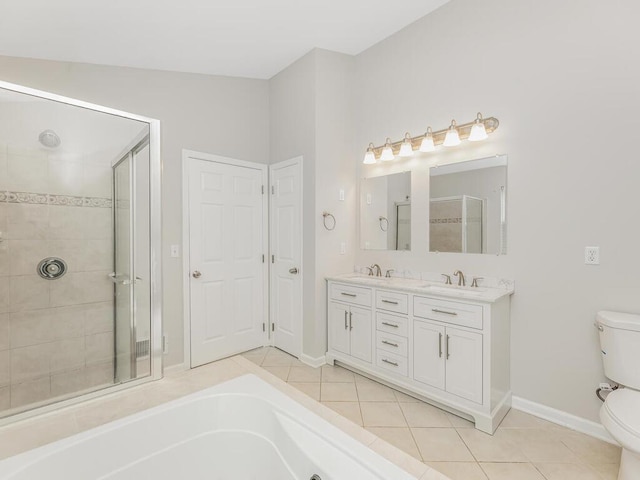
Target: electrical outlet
(592, 255)
(343, 248)
(368, 199)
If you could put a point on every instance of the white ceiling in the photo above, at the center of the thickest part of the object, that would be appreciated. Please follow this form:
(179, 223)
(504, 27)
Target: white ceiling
(244, 38)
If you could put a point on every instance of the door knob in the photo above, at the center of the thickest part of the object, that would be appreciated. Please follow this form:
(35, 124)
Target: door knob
(293, 271)
(196, 274)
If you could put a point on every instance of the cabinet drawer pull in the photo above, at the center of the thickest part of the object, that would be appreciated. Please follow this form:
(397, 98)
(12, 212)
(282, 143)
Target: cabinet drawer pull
(390, 325)
(390, 343)
(389, 301)
(439, 344)
(443, 311)
(389, 362)
(447, 345)
(348, 294)
(345, 320)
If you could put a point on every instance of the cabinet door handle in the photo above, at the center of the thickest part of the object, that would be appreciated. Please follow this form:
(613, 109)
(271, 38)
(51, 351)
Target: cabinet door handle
(348, 294)
(443, 311)
(439, 345)
(389, 301)
(447, 345)
(389, 362)
(390, 325)
(345, 320)
(390, 343)
(350, 323)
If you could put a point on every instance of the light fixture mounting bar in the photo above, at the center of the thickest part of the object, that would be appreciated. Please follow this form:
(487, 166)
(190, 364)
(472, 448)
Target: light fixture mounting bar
(490, 124)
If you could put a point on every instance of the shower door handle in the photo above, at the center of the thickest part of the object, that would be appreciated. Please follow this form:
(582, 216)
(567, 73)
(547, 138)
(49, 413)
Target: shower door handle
(119, 280)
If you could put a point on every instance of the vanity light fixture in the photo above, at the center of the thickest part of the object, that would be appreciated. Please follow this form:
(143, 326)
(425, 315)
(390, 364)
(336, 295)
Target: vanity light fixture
(387, 151)
(370, 156)
(452, 138)
(473, 131)
(406, 149)
(478, 132)
(427, 144)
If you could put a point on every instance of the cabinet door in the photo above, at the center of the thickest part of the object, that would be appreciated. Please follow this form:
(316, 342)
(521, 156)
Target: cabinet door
(428, 354)
(339, 327)
(464, 364)
(361, 330)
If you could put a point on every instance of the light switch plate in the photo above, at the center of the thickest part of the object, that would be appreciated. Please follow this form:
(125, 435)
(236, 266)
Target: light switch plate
(342, 194)
(343, 248)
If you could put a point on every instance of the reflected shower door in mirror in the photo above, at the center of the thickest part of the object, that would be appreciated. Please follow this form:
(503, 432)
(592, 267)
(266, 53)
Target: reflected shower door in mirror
(75, 184)
(467, 208)
(385, 212)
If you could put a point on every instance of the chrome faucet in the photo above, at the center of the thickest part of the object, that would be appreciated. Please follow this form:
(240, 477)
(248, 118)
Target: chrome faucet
(378, 269)
(460, 275)
(388, 273)
(370, 271)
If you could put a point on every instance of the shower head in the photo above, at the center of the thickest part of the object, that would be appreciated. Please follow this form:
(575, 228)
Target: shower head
(49, 139)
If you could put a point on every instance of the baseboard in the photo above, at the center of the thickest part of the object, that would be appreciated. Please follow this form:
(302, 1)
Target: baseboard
(565, 419)
(313, 362)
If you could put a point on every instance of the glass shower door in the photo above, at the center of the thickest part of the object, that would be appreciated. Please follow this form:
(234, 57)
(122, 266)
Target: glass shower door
(123, 270)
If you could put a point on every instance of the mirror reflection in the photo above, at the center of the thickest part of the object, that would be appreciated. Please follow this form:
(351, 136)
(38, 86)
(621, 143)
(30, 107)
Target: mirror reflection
(385, 212)
(467, 211)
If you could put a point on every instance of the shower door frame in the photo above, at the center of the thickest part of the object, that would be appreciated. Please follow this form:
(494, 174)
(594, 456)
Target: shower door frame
(155, 250)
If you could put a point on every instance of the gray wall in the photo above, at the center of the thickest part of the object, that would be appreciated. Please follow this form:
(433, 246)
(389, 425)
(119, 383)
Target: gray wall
(222, 115)
(561, 78)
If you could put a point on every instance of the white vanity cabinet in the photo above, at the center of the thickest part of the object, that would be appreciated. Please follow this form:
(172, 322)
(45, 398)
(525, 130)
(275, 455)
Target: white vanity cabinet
(448, 349)
(350, 322)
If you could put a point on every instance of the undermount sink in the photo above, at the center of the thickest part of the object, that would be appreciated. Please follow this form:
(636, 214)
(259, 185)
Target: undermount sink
(449, 289)
(368, 278)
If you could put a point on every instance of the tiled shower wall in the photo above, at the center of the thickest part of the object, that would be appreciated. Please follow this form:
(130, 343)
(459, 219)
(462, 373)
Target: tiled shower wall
(56, 336)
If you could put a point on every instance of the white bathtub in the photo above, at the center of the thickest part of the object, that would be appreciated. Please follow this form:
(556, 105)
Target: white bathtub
(242, 429)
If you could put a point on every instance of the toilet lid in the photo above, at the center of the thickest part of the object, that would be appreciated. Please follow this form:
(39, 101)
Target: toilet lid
(623, 406)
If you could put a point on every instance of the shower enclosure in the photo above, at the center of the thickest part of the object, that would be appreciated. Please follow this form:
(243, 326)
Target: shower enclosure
(79, 248)
(457, 224)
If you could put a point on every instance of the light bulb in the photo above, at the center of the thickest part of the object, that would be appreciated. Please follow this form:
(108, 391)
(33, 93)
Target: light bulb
(478, 132)
(427, 144)
(406, 149)
(387, 152)
(370, 156)
(452, 138)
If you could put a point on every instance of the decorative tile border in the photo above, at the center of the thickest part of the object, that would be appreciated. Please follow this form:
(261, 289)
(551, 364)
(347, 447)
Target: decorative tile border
(455, 220)
(58, 200)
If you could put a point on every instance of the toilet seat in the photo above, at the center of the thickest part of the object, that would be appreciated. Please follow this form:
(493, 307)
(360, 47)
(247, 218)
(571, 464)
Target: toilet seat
(620, 415)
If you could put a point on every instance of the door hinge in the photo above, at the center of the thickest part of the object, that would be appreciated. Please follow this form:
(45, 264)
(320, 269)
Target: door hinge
(273, 190)
(264, 328)
(273, 327)
(263, 258)
(263, 189)
(273, 259)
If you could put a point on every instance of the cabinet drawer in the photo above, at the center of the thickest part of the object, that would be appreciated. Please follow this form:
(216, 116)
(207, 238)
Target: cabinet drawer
(392, 363)
(392, 324)
(450, 312)
(351, 294)
(391, 343)
(392, 301)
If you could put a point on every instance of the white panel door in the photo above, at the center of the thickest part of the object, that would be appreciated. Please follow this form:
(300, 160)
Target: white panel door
(339, 327)
(286, 255)
(226, 265)
(464, 364)
(428, 354)
(360, 321)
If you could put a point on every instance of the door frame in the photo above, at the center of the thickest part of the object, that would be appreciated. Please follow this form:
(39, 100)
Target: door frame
(188, 155)
(287, 163)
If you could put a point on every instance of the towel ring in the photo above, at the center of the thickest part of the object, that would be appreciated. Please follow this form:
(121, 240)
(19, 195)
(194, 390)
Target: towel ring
(384, 226)
(324, 220)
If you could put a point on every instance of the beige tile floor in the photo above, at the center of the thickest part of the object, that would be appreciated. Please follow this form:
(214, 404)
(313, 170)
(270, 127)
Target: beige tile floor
(523, 448)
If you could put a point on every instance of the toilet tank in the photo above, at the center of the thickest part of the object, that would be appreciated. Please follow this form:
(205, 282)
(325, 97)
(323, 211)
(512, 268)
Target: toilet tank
(620, 346)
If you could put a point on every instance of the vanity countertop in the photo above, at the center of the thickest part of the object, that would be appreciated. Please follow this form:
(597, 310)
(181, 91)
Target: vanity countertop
(425, 287)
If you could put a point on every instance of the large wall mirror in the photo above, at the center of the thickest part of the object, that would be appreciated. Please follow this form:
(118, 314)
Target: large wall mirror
(385, 212)
(467, 211)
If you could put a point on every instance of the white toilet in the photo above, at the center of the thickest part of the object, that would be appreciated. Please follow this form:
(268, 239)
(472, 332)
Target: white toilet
(620, 414)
